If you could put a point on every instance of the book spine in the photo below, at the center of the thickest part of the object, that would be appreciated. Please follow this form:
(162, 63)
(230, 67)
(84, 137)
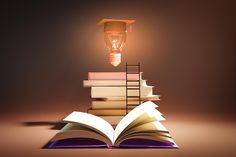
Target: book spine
(143, 98)
(103, 92)
(110, 83)
(112, 104)
(111, 76)
(117, 112)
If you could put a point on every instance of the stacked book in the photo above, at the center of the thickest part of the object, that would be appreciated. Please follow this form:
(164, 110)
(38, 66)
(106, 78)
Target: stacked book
(108, 93)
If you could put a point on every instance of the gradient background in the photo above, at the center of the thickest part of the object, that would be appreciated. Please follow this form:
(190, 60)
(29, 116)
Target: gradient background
(186, 50)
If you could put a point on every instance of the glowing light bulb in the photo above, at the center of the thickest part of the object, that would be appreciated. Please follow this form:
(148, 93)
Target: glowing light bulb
(115, 37)
(115, 41)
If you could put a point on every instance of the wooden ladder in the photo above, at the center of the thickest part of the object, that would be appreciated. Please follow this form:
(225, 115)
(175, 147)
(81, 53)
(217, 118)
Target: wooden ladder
(132, 69)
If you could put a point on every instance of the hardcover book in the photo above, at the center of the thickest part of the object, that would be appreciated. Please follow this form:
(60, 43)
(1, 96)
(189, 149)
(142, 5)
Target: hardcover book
(141, 127)
(111, 83)
(123, 98)
(103, 92)
(112, 76)
(109, 112)
(113, 104)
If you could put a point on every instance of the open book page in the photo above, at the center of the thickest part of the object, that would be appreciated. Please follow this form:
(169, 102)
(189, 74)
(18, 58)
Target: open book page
(142, 120)
(150, 127)
(93, 122)
(150, 136)
(75, 130)
(147, 108)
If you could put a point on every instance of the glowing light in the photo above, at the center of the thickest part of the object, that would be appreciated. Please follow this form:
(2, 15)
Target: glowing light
(115, 37)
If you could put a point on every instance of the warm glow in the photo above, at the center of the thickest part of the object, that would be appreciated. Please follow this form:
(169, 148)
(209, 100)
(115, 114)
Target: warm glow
(115, 41)
(115, 37)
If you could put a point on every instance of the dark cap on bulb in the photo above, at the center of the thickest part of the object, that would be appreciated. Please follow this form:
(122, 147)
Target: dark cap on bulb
(115, 24)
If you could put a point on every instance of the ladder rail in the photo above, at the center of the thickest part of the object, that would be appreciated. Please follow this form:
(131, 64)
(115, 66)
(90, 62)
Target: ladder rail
(139, 83)
(126, 89)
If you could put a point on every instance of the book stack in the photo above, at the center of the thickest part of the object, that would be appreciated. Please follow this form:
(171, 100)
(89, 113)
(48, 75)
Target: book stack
(107, 123)
(108, 93)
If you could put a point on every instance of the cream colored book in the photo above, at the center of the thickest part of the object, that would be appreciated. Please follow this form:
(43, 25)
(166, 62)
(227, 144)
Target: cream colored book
(110, 83)
(112, 76)
(120, 104)
(103, 92)
(141, 127)
(143, 98)
(108, 112)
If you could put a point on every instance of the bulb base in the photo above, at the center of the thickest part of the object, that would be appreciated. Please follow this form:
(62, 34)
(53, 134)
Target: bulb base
(115, 59)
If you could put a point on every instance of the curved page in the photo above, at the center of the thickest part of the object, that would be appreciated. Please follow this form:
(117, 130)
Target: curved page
(91, 121)
(147, 107)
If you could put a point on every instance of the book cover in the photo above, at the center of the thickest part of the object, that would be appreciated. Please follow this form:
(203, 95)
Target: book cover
(103, 92)
(112, 76)
(119, 104)
(111, 83)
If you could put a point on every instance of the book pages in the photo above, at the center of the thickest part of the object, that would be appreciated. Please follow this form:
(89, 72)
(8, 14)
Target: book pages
(91, 121)
(147, 107)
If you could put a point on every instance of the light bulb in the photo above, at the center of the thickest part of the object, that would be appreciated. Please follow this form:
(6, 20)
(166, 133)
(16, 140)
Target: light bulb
(115, 41)
(115, 37)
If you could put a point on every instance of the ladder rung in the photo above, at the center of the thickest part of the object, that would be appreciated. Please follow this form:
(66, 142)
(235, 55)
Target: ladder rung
(133, 73)
(132, 96)
(132, 104)
(133, 88)
(132, 65)
(132, 80)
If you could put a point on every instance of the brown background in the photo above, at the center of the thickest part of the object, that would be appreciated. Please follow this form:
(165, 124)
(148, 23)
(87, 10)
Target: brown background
(186, 50)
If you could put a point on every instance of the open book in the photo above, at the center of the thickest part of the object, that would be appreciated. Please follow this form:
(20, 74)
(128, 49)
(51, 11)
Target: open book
(139, 128)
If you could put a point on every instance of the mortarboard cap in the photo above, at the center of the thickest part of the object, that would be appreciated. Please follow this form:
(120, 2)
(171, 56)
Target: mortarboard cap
(115, 24)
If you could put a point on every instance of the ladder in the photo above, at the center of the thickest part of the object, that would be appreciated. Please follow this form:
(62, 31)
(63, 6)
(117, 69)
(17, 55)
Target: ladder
(132, 70)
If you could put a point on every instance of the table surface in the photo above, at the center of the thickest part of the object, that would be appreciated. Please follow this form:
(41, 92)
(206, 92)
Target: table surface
(26, 134)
